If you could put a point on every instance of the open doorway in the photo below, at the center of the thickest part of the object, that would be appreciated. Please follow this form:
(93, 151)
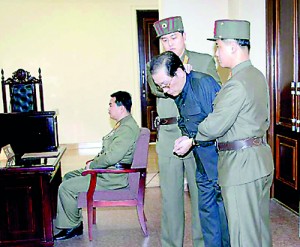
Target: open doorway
(148, 47)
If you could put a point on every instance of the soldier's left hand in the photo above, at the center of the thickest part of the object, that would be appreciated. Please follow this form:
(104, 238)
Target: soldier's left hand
(188, 68)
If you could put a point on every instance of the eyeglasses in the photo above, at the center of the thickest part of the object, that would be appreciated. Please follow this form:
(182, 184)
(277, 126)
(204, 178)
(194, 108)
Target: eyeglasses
(166, 84)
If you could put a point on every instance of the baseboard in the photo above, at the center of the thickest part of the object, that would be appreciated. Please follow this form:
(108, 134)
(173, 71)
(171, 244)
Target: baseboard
(86, 145)
(285, 206)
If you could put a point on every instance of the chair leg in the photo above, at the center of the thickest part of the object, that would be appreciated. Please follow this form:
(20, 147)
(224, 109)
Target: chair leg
(94, 216)
(90, 221)
(142, 219)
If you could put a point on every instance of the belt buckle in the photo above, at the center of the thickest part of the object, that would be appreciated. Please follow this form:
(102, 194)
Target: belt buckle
(118, 166)
(257, 141)
(216, 144)
(157, 122)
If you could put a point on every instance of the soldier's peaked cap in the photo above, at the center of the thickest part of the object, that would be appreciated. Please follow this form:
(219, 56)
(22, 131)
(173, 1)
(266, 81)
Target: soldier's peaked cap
(168, 25)
(231, 29)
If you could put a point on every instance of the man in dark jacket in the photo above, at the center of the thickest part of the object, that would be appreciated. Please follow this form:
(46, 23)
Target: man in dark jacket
(173, 169)
(194, 94)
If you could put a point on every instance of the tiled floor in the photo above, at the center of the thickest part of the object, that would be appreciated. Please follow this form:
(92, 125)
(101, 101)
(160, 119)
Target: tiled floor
(119, 227)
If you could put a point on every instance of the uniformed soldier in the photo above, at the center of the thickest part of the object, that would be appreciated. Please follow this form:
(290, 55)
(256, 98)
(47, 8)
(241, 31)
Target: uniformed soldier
(172, 169)
(239, 121)
(117, 150)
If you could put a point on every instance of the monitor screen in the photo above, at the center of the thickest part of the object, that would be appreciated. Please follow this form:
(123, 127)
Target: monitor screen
(29, 132)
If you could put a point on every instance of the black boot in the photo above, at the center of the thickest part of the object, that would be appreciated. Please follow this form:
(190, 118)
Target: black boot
(69, 233)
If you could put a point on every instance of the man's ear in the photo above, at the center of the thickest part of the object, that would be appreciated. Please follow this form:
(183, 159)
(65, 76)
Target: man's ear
(234, 47)
(180, 72)
(184, 36)
(122, 108)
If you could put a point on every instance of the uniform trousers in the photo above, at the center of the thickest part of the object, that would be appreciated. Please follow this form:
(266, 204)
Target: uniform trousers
(247, 207)
(68, 214)
(212, 212)
(172, 171)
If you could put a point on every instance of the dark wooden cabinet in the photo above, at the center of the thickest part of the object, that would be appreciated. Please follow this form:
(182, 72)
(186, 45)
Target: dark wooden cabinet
(21, 199)
(28, 202)
(284, 80)
(286, 169)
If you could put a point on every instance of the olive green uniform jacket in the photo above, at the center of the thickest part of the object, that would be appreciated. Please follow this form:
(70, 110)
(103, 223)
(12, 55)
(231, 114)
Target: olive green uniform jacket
(241, 110)
(118, 146)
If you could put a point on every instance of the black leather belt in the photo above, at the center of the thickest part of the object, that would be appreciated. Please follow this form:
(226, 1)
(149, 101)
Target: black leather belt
(240, 144)
(165, 121)
(204, 143)
(122, 166)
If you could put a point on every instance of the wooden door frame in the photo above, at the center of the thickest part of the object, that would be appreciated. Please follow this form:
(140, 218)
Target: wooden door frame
(271, 70)
(148, 46)
(275, 138)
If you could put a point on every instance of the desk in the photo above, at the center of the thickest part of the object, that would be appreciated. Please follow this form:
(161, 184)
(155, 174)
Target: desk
(28, 198)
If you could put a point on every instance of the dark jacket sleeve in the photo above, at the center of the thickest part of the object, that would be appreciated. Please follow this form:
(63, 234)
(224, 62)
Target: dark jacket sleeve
(182, 127)
(206, 91)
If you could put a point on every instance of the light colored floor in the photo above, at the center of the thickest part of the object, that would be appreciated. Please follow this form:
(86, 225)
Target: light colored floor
(119, 227)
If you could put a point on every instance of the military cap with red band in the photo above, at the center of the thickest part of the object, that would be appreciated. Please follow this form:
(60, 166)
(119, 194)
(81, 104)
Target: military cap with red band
(168, 25)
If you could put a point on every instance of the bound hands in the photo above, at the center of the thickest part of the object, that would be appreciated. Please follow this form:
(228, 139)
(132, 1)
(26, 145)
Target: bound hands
(182, 145)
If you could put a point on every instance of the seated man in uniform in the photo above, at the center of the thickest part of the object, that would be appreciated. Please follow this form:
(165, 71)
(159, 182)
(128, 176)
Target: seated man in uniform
(118, 148)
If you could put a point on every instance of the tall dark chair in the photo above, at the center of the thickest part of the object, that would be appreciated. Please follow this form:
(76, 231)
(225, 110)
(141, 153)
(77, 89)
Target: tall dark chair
(23, 90)
(132, 196)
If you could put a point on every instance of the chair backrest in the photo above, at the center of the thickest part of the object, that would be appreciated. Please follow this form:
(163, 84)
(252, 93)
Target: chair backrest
(23, 89)
(140, 158)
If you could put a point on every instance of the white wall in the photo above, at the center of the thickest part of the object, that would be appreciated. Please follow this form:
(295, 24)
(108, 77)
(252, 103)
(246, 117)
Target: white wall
(198, 19)
(199, 16)
(86, 50)
(255, 12)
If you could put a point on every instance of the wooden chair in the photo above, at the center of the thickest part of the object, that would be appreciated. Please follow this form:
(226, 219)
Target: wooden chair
(133, 195)
(23, 90)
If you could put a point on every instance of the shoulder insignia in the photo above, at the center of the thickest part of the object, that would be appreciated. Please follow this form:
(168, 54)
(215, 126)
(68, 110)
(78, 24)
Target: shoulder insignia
(186, 59)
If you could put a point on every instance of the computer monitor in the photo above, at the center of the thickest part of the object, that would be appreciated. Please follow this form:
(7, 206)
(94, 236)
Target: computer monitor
(29, 132)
